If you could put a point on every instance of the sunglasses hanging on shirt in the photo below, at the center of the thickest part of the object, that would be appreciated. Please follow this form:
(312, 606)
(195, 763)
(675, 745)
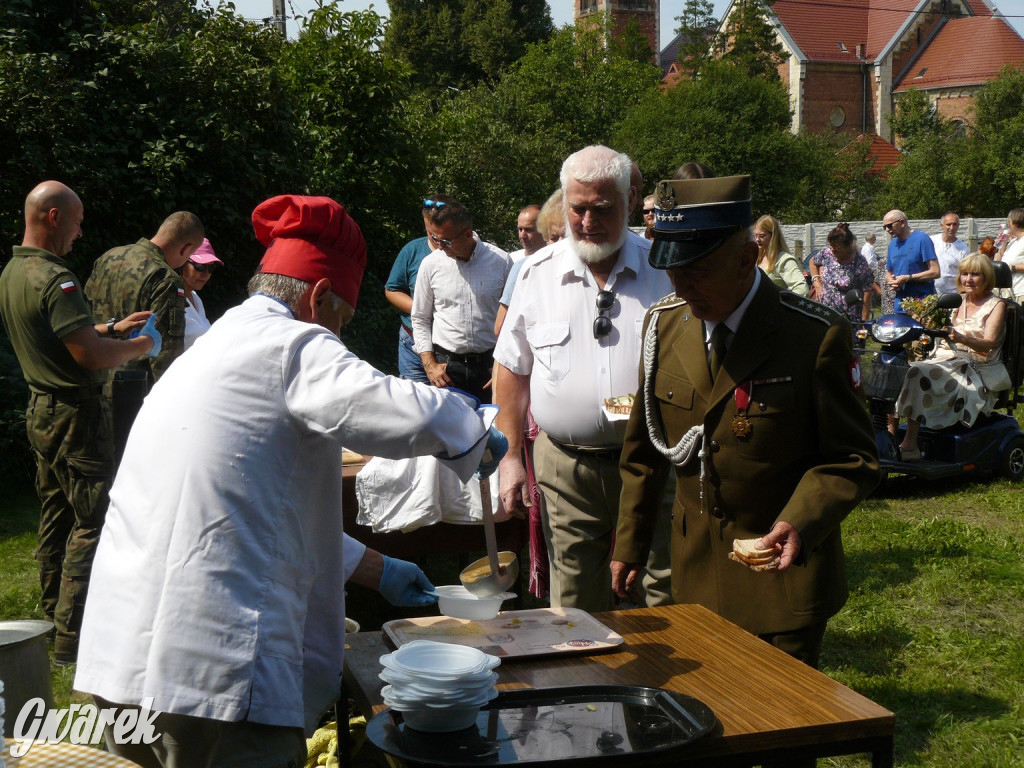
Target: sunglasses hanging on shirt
(603, 321)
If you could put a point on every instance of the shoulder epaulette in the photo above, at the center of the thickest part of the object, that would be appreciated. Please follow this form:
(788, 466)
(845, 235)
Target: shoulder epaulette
(809, 307)
(668, 302)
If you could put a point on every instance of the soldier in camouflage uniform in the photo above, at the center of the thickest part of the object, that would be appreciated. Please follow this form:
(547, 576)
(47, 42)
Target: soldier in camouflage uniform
(137, 277)
(62, 354)
(141, 276)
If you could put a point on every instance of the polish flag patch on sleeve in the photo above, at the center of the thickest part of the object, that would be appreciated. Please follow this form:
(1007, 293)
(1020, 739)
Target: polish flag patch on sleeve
(69, 286)
(181, 292)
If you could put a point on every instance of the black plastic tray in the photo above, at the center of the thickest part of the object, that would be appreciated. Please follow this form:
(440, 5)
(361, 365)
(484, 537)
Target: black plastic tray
(552, 725)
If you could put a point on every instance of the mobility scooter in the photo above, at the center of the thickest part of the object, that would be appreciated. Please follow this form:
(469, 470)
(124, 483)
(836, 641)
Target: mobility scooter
(993, 445)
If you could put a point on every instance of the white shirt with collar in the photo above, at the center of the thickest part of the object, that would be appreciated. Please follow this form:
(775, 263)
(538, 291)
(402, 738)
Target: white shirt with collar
(455, 302)
(870, 254)
(733, 321)
(548, 336)
(949, 256)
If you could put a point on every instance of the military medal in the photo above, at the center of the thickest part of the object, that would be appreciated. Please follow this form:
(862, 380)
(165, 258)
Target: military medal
(741, 426)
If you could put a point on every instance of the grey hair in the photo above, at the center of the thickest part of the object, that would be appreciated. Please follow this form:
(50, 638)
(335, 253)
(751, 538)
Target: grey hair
(289, 290)
(598, 163)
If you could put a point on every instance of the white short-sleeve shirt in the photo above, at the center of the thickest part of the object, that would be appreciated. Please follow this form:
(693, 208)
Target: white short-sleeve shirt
(548, 336)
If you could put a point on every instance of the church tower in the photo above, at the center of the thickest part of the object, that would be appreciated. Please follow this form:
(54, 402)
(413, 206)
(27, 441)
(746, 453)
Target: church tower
(646, 12)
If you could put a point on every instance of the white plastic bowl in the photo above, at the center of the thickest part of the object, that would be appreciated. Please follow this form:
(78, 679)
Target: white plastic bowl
(440, 720)
(437, 687)
(439, 661)
(401, 699)
(459, 603)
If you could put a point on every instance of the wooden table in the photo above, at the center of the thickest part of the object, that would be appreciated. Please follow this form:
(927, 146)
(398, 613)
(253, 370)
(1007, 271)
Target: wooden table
(770, 707)
(439, 538)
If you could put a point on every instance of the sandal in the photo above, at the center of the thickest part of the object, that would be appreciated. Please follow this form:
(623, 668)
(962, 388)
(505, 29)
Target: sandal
(910, 454)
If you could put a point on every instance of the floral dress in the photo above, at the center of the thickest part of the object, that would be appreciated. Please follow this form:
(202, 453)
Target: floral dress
(837, 279)
(938, 393)
(887, 304)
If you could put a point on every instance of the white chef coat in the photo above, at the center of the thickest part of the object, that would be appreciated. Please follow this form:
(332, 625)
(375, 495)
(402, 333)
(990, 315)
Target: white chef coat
(218, 585)
(456, 302)
(949, 256)
(548, 336)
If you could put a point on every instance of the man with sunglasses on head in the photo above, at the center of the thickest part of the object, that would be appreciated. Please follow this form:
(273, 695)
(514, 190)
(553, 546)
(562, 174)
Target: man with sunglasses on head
(570, 341)
(911, 265)
(456, 301)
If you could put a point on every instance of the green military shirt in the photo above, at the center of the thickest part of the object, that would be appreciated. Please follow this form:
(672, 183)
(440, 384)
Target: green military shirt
(136, 278)
(41, 301)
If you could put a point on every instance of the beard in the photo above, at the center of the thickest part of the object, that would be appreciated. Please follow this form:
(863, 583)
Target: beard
(593, 253)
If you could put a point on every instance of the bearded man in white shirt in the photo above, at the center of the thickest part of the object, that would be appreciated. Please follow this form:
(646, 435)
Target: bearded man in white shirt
(455, 303)
(217, 597)
(570, 340)
(950, 251)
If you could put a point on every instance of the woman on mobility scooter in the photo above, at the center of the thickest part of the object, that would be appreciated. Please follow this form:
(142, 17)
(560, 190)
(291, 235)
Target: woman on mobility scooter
(962, 380)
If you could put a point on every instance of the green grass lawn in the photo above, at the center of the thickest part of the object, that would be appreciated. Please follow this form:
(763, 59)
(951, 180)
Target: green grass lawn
(933, 630)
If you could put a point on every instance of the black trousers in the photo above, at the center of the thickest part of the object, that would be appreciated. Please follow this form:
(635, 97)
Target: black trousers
(468, 372)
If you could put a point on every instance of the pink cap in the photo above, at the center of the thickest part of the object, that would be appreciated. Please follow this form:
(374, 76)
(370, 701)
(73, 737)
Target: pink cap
(204, 254)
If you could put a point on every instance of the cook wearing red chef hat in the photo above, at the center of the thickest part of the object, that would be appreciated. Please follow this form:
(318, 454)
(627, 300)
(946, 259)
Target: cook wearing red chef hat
(313, 239)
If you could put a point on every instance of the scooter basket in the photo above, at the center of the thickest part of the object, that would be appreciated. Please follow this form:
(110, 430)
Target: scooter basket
(882, 379)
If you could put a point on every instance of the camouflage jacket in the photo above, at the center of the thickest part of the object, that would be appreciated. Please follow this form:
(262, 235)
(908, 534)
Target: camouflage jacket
(135, 278)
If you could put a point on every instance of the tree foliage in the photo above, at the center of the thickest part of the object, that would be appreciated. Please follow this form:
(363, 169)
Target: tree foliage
(935, 172)
(997, 139)
(751, 40)
(724, 119)
(698, 30)
(500, 147)
(460, 43)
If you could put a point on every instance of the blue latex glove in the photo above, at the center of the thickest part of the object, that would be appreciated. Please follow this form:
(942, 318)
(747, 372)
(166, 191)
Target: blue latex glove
(149, 329)
(402, 583)
(497, 447)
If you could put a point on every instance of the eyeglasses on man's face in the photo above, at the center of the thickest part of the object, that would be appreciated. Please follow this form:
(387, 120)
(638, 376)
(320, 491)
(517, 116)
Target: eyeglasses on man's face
(448, 243)
(202, 267)
(603, 321)
(892, 224)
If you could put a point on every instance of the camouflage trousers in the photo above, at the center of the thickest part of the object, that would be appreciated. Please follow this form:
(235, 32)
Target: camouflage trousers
(72, 438)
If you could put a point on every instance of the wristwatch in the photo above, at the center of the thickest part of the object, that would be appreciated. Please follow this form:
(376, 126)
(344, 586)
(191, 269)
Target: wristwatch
(110, 326)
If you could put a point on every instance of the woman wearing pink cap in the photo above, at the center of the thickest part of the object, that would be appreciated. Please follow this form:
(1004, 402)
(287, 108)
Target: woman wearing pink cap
(196, 272)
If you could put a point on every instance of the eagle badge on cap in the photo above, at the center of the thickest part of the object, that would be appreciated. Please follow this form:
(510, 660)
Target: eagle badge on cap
(665, 196)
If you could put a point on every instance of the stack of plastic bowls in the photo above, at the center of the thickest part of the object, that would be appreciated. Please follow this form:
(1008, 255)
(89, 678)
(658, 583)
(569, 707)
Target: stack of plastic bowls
(438, 687)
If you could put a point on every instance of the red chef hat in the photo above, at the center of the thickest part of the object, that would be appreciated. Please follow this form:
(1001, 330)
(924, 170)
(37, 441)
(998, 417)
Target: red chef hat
(310, 238)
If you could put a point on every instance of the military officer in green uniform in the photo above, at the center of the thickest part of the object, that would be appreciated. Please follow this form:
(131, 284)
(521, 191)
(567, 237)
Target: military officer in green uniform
(62, 354)
(751, 396)
(141, 276)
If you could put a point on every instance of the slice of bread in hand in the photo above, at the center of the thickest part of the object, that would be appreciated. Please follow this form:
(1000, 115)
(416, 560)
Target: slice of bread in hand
(770, 565)
(757, 558)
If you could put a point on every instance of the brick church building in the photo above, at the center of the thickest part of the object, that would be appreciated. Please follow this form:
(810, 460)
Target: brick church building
(850, 59)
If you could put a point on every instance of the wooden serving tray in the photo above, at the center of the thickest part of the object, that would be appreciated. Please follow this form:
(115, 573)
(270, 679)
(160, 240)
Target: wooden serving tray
(512, 634)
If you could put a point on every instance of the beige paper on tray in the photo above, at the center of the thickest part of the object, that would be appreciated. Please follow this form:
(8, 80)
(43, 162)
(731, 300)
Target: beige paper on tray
(512, 634)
